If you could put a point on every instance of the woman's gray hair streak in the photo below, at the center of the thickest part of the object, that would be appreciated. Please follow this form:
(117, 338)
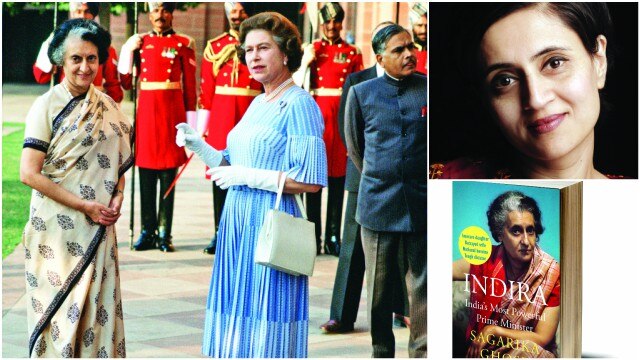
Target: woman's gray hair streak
(512, 201)
(86, 30)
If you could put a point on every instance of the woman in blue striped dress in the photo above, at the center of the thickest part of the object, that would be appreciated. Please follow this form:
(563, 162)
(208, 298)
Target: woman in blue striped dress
(252, 310)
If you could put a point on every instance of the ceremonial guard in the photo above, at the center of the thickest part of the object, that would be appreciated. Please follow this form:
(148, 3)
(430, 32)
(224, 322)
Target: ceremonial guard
(418, 18)
(226, 91)
(106, 79)
(167, 97)
(330, 60)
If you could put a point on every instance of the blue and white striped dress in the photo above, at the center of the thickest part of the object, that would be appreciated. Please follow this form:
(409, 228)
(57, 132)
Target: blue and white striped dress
(252, 310)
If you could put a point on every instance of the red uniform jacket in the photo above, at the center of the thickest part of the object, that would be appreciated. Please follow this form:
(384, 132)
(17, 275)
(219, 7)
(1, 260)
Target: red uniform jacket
(166, 71)
(106, 79)
(421, 55)
(226, 88)
(334, 62)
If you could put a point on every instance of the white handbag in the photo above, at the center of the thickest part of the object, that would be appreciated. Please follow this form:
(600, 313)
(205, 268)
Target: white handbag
(287, 243)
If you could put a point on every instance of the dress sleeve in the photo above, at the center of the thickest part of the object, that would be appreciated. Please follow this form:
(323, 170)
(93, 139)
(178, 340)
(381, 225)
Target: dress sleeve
(305, 153)
(225, 155)
(110, 74)
(37, 132)
(189, 78)
(354, 129)
(554, 297)
(208, 79)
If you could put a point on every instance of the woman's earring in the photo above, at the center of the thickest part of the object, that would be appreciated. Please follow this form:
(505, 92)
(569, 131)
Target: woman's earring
(285, 62)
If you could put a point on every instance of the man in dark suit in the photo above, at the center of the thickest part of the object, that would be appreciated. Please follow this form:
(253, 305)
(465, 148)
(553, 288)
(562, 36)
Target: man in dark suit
(386, 134)
(347, 286)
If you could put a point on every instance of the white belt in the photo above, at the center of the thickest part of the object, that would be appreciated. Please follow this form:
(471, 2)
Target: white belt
(237, 91)
(159, 85)
(326, 92)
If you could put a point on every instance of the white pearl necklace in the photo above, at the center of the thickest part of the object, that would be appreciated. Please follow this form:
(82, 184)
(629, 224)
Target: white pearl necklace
(277, 91)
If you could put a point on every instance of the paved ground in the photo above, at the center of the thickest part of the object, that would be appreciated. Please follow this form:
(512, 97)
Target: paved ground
(164, 294)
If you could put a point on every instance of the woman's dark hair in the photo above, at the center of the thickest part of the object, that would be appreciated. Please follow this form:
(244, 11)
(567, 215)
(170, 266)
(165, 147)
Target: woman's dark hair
(284, 33)
(379, 41)
(512, 201)
(86, 30)
(588, 20)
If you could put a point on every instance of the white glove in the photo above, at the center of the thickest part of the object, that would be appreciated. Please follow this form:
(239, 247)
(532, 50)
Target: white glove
(308, 55)
(190, 138)
(202, 121)
(299, 77)
(227, 176)
(125, 63)
(42, 62)
(191, 119)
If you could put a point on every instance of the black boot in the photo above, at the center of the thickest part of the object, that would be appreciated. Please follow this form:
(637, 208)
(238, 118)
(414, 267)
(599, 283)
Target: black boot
(146, 241)
(148, 238)
(334, 216)
(219, 196)
(313, 214)
(165, 244)
(332, 246)
(165, 206)
(211, 248)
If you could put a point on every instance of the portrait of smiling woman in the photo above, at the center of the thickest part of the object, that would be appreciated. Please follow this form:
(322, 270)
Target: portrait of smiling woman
(538, 92)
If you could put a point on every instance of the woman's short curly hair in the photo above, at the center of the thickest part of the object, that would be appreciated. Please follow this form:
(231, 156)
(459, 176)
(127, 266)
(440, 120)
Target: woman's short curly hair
(284, 33)
(86, 30)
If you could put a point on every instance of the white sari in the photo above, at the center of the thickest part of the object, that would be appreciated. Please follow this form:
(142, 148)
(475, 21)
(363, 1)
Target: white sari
(74, 308)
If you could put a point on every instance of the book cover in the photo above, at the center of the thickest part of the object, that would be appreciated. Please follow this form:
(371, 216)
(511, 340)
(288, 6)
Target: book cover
(517, 269)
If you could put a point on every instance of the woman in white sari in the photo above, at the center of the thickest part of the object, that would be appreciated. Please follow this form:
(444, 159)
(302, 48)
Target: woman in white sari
(76, 150)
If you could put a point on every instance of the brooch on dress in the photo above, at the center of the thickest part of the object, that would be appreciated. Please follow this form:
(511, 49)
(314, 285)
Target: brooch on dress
(281, 105)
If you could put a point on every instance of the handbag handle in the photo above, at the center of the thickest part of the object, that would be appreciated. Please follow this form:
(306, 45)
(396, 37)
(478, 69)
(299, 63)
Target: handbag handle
(283, 178)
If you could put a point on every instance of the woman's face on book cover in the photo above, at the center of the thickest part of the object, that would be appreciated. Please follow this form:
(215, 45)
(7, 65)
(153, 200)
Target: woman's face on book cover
(519, 237)
(542, 84)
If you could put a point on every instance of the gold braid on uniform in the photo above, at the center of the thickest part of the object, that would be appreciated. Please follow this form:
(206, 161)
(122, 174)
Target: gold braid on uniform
(218, 60)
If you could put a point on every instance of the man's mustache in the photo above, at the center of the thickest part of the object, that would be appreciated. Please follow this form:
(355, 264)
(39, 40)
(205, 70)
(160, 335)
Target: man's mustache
(162, 20)
(411, 60)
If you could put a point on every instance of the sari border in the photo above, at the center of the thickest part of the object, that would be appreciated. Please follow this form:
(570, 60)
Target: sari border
(126, 165)
(66, 288)
(35, 144)
(57, 121)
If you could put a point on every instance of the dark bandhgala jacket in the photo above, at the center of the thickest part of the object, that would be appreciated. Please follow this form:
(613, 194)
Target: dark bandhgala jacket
(352, 181)
(386, 133)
